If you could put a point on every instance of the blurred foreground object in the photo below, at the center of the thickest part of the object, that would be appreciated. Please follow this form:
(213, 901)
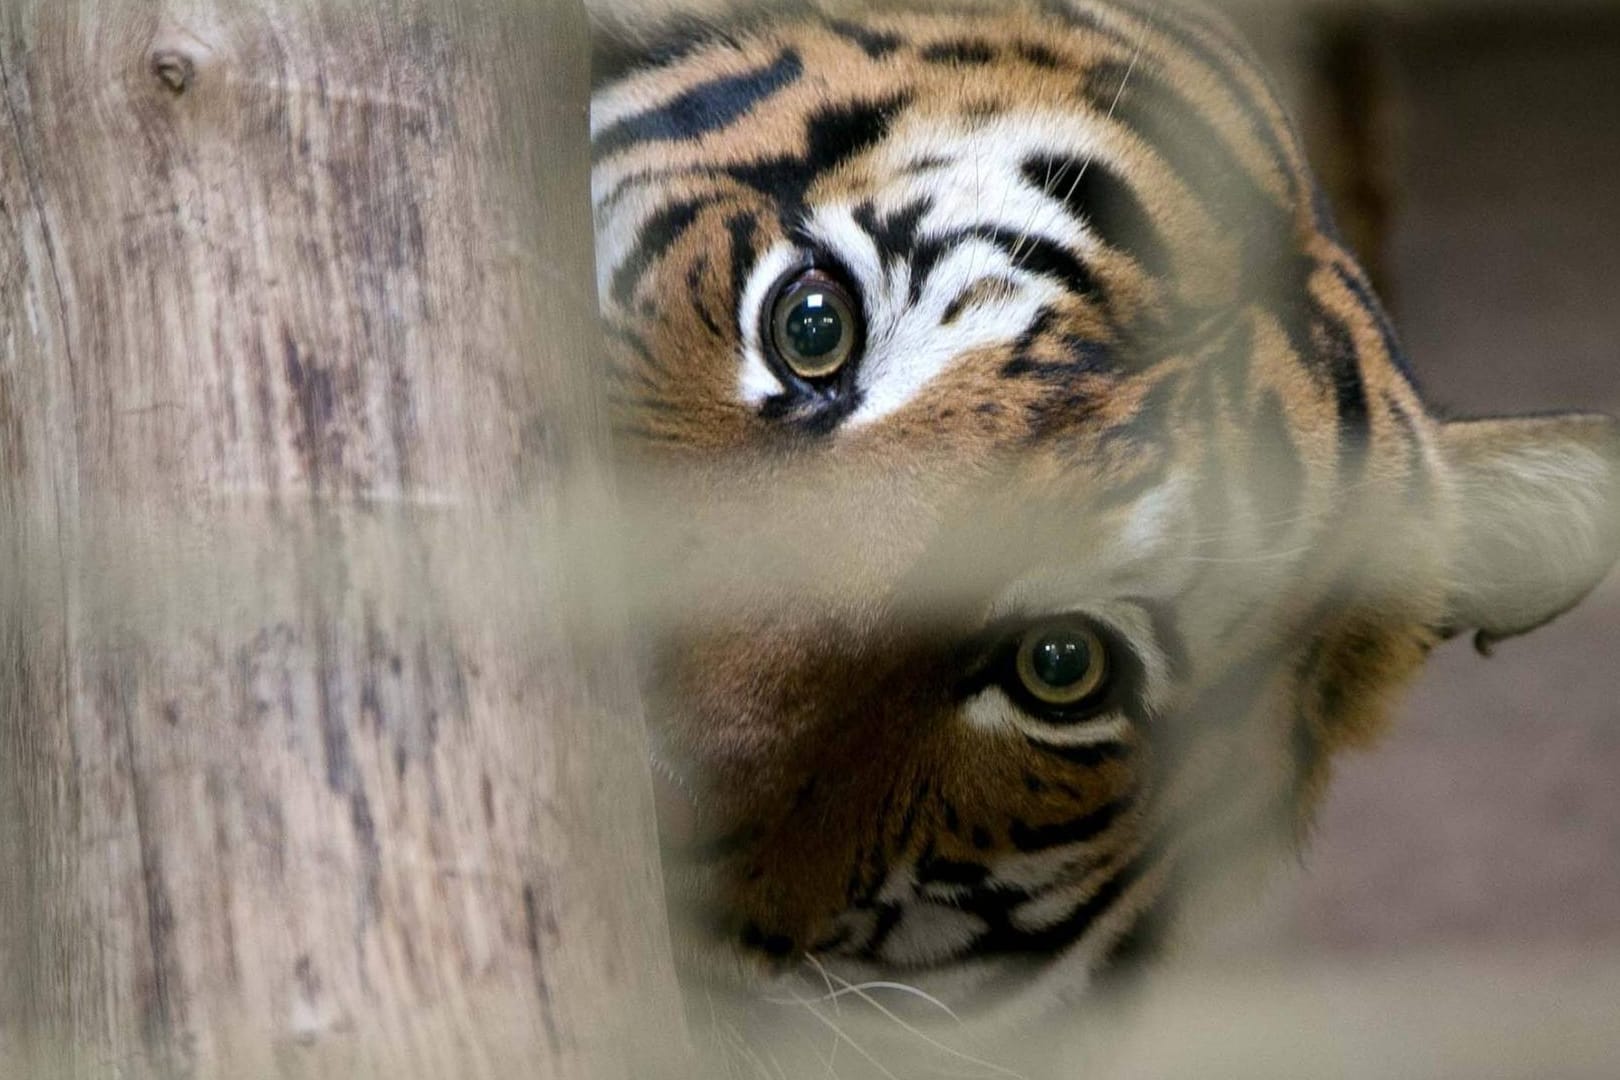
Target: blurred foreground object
(295, 298)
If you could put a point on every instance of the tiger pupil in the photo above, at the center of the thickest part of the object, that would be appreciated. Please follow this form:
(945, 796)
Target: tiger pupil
(1061, 660)
(814, 327)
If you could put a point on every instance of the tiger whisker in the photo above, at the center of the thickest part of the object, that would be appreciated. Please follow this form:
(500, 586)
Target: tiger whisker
(749, 1054)
(845, 1037)
(860, 992)
(826, 977)
(857, 990)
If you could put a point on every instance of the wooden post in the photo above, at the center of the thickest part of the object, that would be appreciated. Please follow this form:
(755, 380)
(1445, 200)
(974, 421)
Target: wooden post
(305, 769)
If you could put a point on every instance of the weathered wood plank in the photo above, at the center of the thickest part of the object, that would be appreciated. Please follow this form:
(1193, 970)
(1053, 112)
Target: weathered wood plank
(295, 311)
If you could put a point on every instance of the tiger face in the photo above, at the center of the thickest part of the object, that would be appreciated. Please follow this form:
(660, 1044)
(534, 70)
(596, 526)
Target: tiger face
(1030, 327)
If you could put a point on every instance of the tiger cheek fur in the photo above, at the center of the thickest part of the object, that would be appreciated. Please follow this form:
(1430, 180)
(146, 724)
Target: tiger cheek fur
(1099, 364)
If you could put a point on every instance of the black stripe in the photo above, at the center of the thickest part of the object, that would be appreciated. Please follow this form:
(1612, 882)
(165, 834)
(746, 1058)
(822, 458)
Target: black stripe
(1038, 55)
(1327, 222)
(908, 825)
(694, 289)
(1038, 255)
(1324, 345)
(874, 43)
(970, 52)
(1102, 200)
(657, 236)
(742, 229)
(779, 946)
(704, 108)
(1337, 352)
(1087, 755)
(955, 308)
(833, 136)
(1003, 937)
(838, 133)
(1386, 331)
(1035, 254)
(925, 256)
(889, 916)
(1084, 358)
(923, 165)
(894, 236)
(951, 872)
(1081, 919)
(1031, 838)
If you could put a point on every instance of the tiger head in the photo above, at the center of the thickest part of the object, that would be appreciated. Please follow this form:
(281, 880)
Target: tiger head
(1031, 328)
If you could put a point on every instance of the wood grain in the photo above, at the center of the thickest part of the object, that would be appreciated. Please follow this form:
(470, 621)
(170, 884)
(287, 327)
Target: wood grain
(296, 310)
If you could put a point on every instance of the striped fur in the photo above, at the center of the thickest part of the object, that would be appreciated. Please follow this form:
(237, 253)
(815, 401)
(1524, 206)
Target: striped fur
(1104, 301)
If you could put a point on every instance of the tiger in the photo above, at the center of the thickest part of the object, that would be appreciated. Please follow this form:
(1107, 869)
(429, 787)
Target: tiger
(1125, 514)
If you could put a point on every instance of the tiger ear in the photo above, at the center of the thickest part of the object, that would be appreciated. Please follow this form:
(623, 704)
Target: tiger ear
(1540, 506)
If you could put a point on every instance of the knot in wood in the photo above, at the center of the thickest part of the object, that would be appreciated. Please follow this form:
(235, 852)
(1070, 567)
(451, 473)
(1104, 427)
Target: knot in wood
(174, 70)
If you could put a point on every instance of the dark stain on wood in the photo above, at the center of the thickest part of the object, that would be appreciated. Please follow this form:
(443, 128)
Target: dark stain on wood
(159, 1013)
(13, 444)
(268, 827)
(220, 796)
(342, 774)
(535, 922)
(314, 398)
(161, 1002)
(175, 70)
(305, 975)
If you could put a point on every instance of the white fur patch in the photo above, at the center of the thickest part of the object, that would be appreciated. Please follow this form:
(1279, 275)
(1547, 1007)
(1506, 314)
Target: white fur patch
(928, 933)
(994, 711)
(756, 383)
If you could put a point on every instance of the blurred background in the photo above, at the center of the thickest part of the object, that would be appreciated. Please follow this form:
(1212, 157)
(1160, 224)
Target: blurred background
(1475, 151)
(1463, 888)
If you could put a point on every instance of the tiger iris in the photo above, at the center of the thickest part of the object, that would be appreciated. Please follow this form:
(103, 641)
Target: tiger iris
(1035, 323)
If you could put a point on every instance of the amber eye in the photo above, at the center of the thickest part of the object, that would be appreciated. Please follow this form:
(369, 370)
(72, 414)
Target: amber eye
(1063, 667)
(814, 328)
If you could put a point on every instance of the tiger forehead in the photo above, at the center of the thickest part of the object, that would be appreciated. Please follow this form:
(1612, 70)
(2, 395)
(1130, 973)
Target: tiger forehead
(891, 112)
(740, 94)
(1031, 205)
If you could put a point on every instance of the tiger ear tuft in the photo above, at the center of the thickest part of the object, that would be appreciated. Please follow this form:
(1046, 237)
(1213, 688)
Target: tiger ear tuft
(1540, 505)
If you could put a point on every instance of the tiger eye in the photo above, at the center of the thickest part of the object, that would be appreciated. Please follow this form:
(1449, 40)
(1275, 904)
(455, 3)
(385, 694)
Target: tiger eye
(1065, 665)
(814, 327)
